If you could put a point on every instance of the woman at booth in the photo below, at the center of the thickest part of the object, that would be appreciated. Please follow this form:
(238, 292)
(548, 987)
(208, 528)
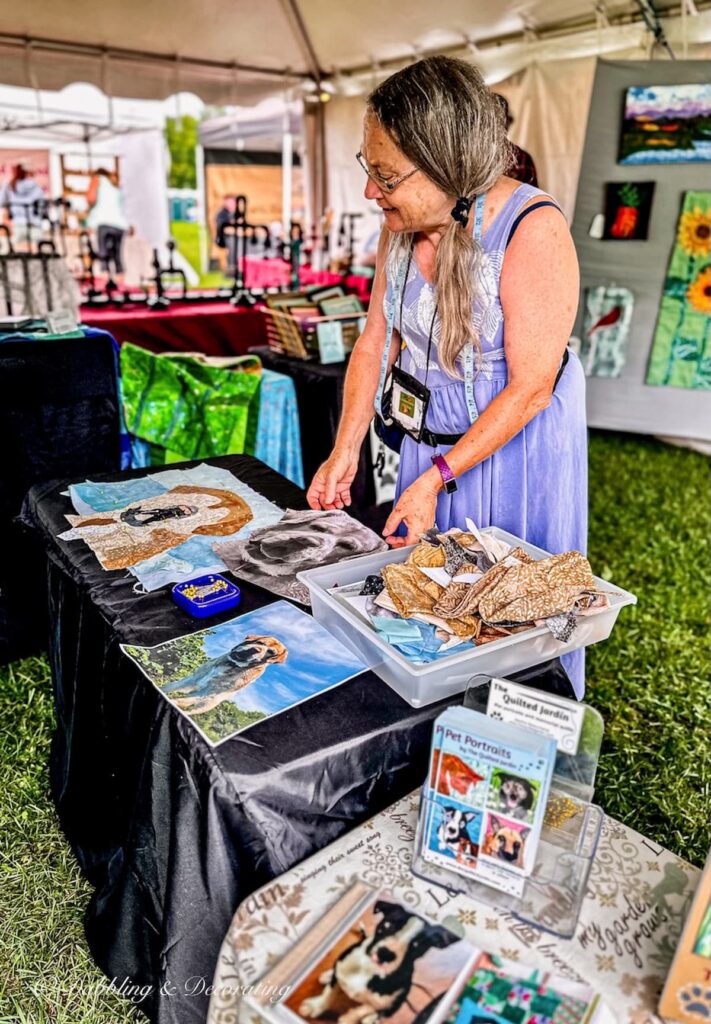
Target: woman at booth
(464, 356)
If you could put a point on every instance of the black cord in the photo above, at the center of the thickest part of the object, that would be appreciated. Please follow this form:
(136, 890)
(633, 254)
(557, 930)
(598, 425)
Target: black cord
(402, 302)
(654, 25)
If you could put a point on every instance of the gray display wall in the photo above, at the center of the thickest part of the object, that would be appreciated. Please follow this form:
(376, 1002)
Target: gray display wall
(626, 402)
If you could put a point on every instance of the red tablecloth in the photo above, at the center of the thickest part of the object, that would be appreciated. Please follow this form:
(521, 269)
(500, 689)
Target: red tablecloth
(276, 274)
(216, 328)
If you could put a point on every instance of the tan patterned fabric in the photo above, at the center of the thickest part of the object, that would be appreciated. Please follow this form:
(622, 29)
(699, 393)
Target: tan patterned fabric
(463, 598)
(413, 593)
(538, 590)
(426, 555)
(410, 590)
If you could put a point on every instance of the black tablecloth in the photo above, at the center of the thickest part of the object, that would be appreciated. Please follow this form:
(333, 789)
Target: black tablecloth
(174, 834)
(59, 416)
(319, 395)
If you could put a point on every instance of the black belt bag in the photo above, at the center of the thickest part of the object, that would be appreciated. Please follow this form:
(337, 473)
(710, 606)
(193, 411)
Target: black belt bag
(391, 434)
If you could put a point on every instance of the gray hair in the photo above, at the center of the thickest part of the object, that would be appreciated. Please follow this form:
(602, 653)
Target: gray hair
(441, 114)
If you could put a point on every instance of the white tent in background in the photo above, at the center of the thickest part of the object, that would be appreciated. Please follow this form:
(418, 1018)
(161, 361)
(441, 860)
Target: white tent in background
(78, 125)
(238, 52)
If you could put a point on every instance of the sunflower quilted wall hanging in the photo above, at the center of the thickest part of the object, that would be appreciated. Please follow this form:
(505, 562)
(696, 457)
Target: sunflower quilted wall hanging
(681, 350)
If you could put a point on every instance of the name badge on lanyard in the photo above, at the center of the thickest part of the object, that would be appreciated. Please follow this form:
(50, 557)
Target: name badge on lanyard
(409, 401)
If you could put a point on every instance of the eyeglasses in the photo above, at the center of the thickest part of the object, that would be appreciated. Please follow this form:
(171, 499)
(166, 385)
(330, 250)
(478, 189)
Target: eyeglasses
(383, 183)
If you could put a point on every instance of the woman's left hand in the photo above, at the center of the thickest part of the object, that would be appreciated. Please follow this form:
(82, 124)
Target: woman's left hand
(416, 508)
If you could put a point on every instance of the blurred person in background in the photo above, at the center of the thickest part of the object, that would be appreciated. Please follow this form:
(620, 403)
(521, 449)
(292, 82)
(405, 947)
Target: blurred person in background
(106, 217)
(224, 235)
(24, 205)
(523, 168)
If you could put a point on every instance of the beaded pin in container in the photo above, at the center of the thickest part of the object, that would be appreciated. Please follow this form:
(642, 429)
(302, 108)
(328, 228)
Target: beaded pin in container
(206, 595)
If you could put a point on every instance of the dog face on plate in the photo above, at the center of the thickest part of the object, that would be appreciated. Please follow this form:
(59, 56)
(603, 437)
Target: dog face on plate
(401, 937)
(375, 975)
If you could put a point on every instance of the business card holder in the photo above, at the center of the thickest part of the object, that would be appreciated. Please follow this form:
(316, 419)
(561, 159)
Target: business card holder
(552, 895)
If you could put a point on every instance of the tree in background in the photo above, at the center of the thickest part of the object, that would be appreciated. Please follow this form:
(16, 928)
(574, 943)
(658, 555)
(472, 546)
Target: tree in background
(181, 135)
(176, 660)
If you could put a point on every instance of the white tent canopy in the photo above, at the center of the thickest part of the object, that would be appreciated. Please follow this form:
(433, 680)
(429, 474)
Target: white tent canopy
(237, 51)
(539, 52)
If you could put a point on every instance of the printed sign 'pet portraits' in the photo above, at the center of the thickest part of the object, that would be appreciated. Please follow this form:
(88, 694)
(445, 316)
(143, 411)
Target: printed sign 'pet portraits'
(228, 677)
(488, 784)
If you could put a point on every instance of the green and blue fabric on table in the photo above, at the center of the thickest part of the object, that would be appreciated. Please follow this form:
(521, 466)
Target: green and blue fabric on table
(185, 407)
(193, 410)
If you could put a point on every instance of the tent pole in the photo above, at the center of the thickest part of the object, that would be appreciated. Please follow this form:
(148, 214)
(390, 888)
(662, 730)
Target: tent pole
(203, 227)
(287, 163)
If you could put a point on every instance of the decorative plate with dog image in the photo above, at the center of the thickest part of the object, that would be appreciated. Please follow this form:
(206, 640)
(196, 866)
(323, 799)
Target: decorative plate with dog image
(386, 964)
(228, 677)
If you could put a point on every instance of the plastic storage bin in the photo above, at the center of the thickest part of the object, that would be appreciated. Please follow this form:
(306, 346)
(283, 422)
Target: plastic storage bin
(424, 684)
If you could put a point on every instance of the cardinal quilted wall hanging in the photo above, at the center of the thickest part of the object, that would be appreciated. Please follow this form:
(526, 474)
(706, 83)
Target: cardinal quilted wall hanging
(681, 350)
(608, 315)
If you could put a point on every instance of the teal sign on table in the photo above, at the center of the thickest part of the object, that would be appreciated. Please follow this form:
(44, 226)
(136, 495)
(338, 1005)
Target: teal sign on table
(330, 342)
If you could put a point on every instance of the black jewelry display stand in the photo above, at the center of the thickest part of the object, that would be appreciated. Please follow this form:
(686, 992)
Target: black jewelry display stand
(347, 235)
(244, 235)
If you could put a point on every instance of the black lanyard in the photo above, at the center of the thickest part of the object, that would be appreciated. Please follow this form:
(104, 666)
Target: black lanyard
(402, 302)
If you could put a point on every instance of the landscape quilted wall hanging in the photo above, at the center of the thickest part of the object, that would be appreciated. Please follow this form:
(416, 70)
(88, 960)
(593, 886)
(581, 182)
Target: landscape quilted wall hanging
(681, 350)
(666, 124)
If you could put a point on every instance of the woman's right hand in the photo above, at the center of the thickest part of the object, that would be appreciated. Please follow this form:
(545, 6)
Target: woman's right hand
(331, 486)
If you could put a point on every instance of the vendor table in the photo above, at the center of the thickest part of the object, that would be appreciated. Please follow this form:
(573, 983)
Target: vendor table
(274, 273)
(173, 833)
(216, 328)
(59, 414)
(637, 898)
(319, 395)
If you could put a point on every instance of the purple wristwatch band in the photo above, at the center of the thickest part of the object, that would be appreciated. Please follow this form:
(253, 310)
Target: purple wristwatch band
(450, 484)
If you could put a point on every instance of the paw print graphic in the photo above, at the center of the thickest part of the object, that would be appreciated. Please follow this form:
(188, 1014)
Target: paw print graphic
(695, 999)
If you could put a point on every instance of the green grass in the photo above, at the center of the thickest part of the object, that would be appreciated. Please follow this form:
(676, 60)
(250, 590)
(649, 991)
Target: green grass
(649, 529)
(187, 237)
(46, 973)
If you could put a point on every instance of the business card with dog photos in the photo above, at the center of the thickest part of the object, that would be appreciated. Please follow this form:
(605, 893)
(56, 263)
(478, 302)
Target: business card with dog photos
(383, 960)
(487, 792)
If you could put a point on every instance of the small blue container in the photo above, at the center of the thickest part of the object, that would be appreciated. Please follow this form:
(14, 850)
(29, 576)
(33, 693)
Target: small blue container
(206, 595)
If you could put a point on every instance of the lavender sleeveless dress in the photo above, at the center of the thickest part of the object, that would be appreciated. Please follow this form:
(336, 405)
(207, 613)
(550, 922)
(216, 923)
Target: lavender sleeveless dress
(536, 485)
